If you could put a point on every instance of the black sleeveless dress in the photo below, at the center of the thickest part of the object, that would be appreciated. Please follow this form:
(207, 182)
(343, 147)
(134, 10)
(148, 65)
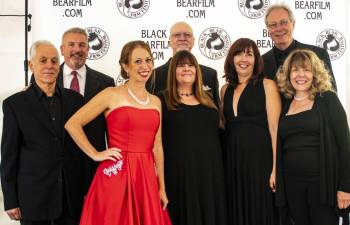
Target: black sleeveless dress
(248, 157)
(194, 174)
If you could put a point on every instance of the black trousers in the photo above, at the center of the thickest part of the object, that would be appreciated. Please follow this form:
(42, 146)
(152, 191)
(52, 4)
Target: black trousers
(303, 197)
(65, 219)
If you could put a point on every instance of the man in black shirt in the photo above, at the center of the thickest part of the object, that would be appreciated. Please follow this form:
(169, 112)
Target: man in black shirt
(280, 21)
(41, 167)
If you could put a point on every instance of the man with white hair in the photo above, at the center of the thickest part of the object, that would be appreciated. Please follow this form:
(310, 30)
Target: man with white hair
(41, 167)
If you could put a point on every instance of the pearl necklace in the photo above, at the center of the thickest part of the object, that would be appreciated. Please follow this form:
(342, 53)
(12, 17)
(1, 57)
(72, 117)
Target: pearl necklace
(138, 100)
(301, 98)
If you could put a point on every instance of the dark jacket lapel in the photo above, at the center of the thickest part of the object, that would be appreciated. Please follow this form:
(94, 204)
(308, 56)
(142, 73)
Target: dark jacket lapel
(91, 85)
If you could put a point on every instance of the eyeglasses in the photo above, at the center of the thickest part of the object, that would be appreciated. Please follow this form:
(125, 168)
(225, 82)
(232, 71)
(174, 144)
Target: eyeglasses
(186, 35)
(281, 23)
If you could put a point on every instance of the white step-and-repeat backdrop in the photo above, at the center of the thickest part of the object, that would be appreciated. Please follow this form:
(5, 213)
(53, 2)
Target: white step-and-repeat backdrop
(112, 23)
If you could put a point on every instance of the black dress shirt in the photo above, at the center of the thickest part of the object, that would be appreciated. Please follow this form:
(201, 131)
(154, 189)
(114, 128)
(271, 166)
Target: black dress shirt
(53, 108)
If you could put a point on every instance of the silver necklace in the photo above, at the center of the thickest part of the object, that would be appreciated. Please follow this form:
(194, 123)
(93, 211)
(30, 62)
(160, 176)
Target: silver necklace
(138, 100)
(301, 98)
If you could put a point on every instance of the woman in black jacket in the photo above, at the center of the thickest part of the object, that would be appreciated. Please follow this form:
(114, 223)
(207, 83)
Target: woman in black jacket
(313, 169)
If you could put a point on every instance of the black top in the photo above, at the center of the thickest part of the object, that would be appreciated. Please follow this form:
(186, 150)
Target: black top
(334, 150)
(301, 143)
(193, 165)
(281, 55)
(52, 106)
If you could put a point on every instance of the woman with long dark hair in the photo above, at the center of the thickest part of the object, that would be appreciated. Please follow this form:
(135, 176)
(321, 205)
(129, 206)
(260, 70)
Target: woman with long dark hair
(251, 108)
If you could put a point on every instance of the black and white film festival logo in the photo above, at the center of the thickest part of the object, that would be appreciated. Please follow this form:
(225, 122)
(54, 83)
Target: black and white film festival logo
(253, 9)
(333, 41)
(98, 42)
(133, 8)
(214, 42)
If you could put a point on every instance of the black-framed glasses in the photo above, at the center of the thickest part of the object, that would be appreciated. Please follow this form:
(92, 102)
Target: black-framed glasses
(281, 23)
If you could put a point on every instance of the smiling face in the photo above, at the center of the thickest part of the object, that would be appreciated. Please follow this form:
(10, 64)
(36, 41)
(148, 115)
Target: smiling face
(280, 28)
(45, 65)
(74, 49)
(244, 63)
(185, 73)
(140, 65)
(301, 78)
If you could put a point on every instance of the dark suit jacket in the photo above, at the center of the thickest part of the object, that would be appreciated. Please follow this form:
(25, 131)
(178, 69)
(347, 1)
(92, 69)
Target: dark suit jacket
(96, 129)
(210, 79)
(37, 167)
(270, 64)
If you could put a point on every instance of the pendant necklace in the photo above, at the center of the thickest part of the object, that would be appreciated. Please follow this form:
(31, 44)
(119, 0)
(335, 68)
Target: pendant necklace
(300, 98)
(145, 102)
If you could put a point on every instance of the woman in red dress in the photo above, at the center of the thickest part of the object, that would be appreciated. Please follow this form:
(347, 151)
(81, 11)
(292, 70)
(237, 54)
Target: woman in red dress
(128, 187)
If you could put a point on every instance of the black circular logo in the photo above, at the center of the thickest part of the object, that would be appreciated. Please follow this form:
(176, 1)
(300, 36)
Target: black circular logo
(333, 41)
(98, 42)
(133, 8)
(214, 43)
(253, 9)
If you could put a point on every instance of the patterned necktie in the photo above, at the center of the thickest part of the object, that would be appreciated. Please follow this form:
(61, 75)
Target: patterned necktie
(74, 85)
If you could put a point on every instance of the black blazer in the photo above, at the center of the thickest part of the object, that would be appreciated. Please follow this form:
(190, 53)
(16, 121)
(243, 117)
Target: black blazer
(270, 64)
(35, 163)
(334, 150)
(210, 80)
(96, 129)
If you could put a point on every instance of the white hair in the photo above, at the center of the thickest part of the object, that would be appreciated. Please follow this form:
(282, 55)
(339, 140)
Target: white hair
(35, 45)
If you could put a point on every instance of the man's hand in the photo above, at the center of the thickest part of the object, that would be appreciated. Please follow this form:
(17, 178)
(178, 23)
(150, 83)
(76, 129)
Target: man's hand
(14, 214)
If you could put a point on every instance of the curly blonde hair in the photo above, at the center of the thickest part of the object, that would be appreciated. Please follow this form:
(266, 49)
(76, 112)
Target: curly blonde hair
(302, 58)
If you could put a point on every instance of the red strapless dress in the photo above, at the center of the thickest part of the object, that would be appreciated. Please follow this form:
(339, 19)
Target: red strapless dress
(126, 192)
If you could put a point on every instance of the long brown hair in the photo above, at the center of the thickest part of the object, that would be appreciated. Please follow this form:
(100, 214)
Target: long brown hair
(172, 98)
(237, 47)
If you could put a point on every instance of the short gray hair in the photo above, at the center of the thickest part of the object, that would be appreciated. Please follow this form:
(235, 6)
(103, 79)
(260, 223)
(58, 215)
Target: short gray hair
(35, 45)
(280, 6)
(75, 30)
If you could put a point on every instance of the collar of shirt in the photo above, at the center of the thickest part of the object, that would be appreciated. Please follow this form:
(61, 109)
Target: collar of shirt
(42, 94)
(281, 55)
(67, 77)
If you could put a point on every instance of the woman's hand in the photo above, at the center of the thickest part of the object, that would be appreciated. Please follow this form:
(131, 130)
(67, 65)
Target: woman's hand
(108, 154)
(163, 198)
(273, 181)
(343, 199)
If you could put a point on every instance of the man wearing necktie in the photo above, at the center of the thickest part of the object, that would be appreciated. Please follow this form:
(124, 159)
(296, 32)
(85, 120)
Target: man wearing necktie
(76, 75)
(280, 21)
